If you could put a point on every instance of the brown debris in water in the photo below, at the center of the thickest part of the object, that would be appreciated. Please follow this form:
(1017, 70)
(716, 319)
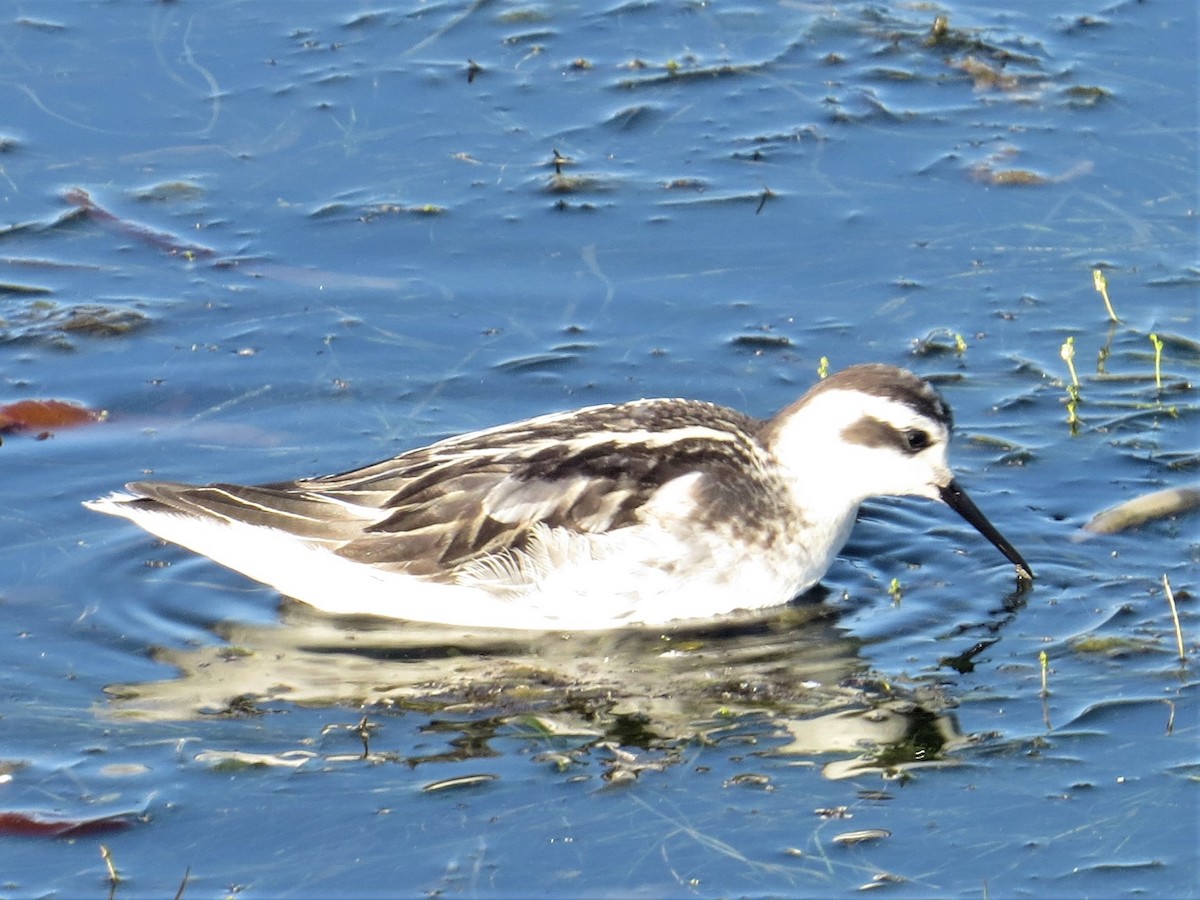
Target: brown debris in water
(46, 416)
(86, 207)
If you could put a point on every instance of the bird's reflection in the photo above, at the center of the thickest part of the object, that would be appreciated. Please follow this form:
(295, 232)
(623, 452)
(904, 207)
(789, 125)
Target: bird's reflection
(786, 681)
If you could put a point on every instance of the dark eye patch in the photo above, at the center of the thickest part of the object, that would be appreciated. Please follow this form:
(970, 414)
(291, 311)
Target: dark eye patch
(871, 432)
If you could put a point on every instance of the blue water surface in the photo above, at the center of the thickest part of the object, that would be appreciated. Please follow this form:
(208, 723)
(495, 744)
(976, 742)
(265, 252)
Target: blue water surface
(278, 239)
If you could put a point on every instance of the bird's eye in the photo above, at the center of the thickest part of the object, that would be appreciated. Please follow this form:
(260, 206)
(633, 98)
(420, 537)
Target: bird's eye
(916, 439)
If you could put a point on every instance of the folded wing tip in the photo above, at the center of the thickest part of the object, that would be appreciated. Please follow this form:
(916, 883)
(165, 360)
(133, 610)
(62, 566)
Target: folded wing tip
(109, 502)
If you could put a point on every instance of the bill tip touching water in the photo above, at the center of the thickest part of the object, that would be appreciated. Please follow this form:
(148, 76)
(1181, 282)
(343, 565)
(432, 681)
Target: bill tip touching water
(635, 513)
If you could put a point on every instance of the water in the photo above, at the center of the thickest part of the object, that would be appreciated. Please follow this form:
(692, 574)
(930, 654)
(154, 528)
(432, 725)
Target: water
(323, 241)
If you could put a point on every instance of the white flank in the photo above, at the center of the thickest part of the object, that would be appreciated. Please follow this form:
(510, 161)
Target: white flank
(568, 581)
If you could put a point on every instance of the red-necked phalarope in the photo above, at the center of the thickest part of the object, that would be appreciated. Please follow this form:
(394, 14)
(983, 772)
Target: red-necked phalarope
(634, 513)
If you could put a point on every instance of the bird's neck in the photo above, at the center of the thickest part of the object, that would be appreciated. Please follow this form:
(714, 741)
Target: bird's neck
(824, 475)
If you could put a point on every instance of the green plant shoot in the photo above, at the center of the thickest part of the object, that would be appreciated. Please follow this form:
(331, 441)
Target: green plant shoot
(1158, 349)
(1101, 285)
(1067, 352)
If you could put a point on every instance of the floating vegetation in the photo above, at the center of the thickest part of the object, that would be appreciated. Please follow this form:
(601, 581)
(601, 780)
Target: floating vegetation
(750, 779)
(556, 358)
(23, 290)
(561, 183)
(883, 74)
(1086, 21)
(880, 879)
(87, 208)
(168, 190)
(994, 171)
(758, 198)
(1011, 454)
(762, 146)
(26, 824)
(101, 321)
(626, 765)
(45, 25)
(576, 184)
(1006, 177)
(546, 727)
(940, 342)
(687, 184)
(985, 77)
(939, 31)
(1084, 95)
(1146, 508)
(47, 321)
(1113, 646)
(688, 70)
(46, 416)
(462, 781)
(941, 37)
(377, 210)
(764, 339)
(849, 838)
(238, 760)
(522, 15)
(833, 812)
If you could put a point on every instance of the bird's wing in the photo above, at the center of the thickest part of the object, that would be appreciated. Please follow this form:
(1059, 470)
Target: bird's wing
(434, 509)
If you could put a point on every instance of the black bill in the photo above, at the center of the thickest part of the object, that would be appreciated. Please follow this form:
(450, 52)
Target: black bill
(957, 499)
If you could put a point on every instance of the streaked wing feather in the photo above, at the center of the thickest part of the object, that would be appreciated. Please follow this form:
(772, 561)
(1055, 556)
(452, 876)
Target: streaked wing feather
(435, 509)
(318, 518)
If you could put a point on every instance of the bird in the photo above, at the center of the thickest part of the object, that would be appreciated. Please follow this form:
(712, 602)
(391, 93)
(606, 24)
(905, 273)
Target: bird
(640, 513)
